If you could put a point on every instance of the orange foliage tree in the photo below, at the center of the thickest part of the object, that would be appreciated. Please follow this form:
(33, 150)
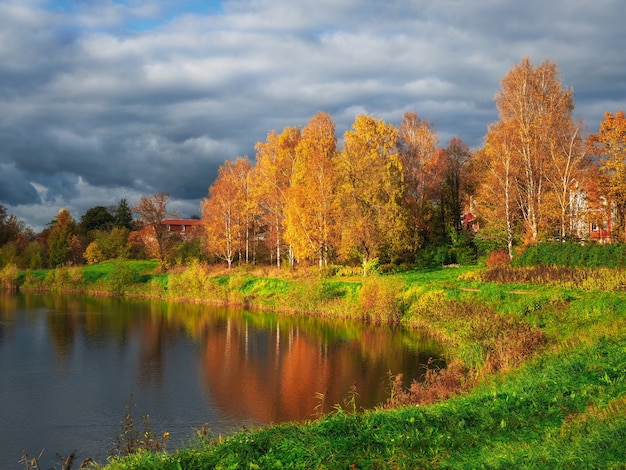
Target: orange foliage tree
(226, 214)
(497, 192)
(609, 143)
(538, 146)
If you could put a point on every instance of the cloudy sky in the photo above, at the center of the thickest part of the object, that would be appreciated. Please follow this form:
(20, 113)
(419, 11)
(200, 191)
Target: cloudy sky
(108, 99)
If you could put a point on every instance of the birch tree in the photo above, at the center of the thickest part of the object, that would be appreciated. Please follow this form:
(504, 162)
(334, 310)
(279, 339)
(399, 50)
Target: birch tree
(225, 212)
(497, 193)
(417, 146)
(534, 108)
(371, 192)
(271, 179)
(310, 212)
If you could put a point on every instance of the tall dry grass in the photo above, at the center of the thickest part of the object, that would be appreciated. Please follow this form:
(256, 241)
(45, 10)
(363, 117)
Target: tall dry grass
(588, 279)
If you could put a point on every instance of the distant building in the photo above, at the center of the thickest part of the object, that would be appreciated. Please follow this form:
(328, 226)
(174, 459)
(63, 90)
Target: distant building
(591, 216)
(187, 228)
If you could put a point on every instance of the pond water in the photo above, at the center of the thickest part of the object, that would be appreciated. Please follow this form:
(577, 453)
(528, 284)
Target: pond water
(71, 365)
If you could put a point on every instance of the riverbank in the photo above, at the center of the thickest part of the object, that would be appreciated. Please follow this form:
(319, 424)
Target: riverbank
(534, 380)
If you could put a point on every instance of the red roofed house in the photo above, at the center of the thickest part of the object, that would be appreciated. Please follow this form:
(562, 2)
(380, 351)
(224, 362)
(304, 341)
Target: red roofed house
(187, 228)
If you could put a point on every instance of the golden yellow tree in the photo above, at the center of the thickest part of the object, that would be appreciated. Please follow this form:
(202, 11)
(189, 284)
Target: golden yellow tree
(371, 191)
(610, 144)
(271, 179)
(310, 212)
(225, 212)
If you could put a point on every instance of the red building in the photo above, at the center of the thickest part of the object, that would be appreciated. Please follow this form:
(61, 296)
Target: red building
(186, 227)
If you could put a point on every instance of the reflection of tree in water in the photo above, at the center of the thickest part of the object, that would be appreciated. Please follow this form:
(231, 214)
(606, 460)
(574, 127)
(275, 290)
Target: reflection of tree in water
(255, 365)
(62, 330)
(8, 307)
(273, 374)
(152, 351)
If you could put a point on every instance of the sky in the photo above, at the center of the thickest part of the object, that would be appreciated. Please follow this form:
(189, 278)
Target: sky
(108, 99)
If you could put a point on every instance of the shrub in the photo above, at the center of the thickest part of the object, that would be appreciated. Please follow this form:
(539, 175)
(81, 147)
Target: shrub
(571, 254)
(379, 300)
(190, 283)
(121, 276)
(498, 258)
(8, 276)
(438, 384)
(93, 254)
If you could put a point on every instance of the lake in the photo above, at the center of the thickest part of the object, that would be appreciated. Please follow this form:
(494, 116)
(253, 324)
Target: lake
(71, 365)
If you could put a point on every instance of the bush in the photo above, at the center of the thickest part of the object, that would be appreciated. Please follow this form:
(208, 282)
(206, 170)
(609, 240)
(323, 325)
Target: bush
(122, 275)
(190, 283)
(93, 254)
(8, 276)
(498, 258)
(379, 300)
(590, 255)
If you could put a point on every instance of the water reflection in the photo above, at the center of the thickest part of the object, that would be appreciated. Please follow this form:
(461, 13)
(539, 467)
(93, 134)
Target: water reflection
(78, 357)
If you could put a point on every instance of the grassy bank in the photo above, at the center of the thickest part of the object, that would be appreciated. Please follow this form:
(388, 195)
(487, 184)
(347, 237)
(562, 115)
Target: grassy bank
(536, 373)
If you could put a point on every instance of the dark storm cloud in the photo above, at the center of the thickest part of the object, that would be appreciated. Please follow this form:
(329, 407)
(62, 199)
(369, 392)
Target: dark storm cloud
(104, 100)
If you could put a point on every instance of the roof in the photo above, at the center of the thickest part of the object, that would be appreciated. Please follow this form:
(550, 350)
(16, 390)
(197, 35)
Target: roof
(181, 221)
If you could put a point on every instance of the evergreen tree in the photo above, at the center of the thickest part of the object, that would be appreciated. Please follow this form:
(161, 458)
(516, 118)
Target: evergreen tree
(123, 217)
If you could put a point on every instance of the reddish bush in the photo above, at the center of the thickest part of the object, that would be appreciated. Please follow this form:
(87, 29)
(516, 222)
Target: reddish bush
(438, 384)
(498, 258)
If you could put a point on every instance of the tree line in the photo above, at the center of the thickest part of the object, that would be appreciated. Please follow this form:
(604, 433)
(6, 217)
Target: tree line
(391, 194)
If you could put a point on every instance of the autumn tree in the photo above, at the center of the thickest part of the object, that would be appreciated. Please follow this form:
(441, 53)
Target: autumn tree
(371, 191)
(15, 236)
(8, 227)
(310, 211)
(453, 163)
(61, 235)
(567, 173)
(535, 115)
(152, 210)
(609, 143)
(225, 213)
(417, 146)
(271, 180)
(497, 194)
(107, 245)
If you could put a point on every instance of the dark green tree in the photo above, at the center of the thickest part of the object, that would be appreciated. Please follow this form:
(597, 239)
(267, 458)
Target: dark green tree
(96, 218)
(123, 217)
